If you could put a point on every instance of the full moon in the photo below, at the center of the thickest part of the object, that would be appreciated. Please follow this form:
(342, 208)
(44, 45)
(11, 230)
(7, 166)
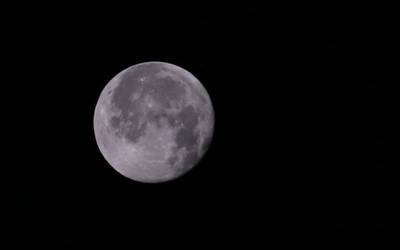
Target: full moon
(153, 122)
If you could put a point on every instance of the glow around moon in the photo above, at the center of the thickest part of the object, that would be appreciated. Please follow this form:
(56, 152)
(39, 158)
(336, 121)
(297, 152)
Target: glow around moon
(153, 122)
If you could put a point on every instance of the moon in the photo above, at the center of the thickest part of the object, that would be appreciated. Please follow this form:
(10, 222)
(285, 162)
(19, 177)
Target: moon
(153, 122)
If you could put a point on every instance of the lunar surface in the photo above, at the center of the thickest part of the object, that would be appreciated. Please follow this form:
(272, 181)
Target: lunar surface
(153, 122)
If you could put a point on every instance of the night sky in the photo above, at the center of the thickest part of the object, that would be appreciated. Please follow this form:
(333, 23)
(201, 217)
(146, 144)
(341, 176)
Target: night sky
(304, 120)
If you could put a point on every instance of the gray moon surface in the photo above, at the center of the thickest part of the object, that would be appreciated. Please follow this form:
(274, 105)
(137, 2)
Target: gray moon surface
(153, 122)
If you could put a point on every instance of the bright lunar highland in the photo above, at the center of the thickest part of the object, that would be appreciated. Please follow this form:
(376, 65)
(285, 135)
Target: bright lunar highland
(153, 122)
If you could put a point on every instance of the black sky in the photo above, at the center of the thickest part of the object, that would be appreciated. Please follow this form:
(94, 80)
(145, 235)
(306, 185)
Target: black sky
(304, 109)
